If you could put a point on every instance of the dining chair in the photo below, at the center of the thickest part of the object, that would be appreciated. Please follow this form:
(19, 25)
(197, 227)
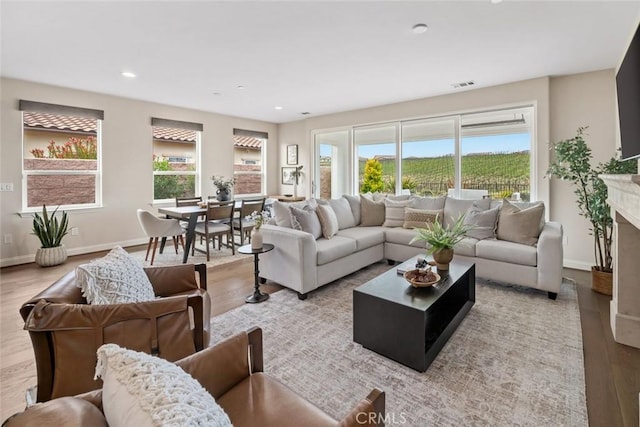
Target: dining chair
(243, 224)
(213, 227)
(188, 201)
(156, 228)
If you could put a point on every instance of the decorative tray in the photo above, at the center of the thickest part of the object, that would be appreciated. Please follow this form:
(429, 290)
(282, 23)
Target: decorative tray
(416, 278)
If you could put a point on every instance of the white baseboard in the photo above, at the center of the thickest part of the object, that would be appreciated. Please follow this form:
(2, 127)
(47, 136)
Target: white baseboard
(25, 259)
(577, 265)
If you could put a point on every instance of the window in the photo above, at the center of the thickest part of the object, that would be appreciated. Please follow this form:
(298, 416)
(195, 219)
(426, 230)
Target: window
(61, 152)
(466, 156)
(248, 162)
(176, 148)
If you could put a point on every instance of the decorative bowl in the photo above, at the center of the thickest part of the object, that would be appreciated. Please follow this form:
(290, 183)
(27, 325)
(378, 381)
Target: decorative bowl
(416, 278)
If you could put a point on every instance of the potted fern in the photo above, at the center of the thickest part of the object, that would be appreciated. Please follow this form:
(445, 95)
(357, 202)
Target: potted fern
(573, 164)
(50, 231)
(442, 239)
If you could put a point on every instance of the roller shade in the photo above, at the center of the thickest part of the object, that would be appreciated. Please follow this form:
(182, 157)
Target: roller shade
(176, 124)
(63, 110)
(251, 133)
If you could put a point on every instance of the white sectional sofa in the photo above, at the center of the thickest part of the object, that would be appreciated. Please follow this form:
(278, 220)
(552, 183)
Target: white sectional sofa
(302, 262)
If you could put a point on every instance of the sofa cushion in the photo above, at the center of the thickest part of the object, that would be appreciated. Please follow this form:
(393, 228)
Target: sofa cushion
(365, 237)
(420, 217)
(431, 203)
(343, 212)
(484, 222)
(354, 204)
(371, 212)
(282, 214)
(262, 400)
(399, 198)
(501, 250)
(116, 278)
(394, 212)
(328, 221)
(331, 249)
(143, 390)
(466, 247)
(519, 225)
(453, 208)
(306, 219)
(402, 236)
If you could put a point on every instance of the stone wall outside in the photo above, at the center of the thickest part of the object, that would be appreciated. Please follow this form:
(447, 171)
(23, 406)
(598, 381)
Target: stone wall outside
(52, 190)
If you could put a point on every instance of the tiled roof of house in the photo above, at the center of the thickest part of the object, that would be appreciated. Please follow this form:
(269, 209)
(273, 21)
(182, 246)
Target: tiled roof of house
(174, 134)
(55, 121)
(247, 142)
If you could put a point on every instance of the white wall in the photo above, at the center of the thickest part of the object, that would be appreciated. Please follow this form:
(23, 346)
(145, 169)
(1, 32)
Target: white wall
(127, 166)
(563, 104)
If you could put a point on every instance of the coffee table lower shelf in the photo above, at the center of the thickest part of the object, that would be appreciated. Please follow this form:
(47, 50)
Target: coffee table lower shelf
(411, 325)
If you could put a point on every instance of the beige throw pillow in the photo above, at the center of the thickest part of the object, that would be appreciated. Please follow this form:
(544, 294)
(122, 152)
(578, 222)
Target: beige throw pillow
(328, 221)
(419, 218)
(519, 225)
(394, 212)
(371, 213)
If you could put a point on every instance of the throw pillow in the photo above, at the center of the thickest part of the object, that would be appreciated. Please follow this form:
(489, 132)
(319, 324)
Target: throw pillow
(354, 203)
(116, 278)
(519, 225)
(328, 221)
(484, 222)
(371, 213)
(419, 218)
(430, 203)
(399, 198)
(394, 212)
(281, 212)
(143, 390)
(343, 212)
(454, 208)
(306, 219)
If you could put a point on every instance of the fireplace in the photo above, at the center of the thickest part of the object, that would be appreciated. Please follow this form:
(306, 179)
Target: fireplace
(624, 199)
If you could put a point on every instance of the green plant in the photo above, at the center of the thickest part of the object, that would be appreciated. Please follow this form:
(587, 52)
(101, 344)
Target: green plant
(408, 183)
(440, 237)
(297, 174)
(74, 148)
(49, 229)
(171, 186)
(222, 183)
(372, 180)
(573, 164)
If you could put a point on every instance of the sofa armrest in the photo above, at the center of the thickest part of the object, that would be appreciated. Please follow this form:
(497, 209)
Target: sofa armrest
(550, 257)
(370, 411)
(219, 368)
(171, 280)
(293, 261)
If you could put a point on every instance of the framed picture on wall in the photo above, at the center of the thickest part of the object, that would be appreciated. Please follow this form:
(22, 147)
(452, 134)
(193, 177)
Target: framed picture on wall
(292, 154)
(287, 176)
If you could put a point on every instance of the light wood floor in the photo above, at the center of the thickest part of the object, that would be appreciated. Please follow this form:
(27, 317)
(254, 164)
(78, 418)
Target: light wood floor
(612, 371)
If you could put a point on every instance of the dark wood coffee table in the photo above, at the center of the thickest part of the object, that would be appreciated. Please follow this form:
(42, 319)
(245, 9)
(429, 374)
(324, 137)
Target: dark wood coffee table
(411, 325)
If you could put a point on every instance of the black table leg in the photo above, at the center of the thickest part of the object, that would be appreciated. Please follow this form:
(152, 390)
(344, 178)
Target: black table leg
(191, 231)
(257, 296)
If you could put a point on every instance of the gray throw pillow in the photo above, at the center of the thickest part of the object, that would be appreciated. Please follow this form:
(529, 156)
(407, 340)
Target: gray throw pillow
(484, 222)
(371, 213)
(306, 219)
(281, 212)
(519, 226)
(394, 212)
(328, 221)
(453, 208)
(429, 203)
(354, 203)
(343, 212)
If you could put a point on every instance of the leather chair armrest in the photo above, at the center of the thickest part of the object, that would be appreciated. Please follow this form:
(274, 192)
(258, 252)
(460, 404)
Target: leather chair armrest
(370, 411)
(94, 396)
(170, 280)
(219, 368)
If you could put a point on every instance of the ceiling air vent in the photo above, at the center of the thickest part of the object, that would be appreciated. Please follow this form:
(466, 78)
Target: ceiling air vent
(305, 113)
(463, 84)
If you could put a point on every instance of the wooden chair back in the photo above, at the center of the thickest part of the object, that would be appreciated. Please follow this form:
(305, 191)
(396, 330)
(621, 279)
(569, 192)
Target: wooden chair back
(188, 201)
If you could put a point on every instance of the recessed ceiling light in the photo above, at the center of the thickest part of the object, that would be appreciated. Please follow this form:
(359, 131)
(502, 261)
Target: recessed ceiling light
(240, 87)
(277, 107)
(128, 74)
(419, 28)
(496, 1)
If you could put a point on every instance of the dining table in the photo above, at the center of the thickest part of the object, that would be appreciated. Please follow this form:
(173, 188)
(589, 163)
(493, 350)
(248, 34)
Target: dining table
(189, 214)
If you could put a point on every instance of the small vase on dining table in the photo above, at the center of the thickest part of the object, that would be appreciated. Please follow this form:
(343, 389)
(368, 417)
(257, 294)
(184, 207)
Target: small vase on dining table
(256, 238)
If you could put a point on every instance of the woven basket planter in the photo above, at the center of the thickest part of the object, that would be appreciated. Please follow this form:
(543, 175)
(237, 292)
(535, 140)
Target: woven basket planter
(601, 281)
(48, 257)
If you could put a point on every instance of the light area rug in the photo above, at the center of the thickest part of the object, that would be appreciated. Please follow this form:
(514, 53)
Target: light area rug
(516, 359)
(223, 257)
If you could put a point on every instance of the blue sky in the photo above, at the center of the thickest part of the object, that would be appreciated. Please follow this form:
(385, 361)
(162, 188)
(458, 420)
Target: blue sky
(437, 148)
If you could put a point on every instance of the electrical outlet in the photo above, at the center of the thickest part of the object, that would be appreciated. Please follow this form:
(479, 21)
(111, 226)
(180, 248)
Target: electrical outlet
(7, 239)
(75, 231)
(8, 186)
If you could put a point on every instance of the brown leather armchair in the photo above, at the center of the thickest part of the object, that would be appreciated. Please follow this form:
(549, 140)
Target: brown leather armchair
(237, 382)
(66, 331)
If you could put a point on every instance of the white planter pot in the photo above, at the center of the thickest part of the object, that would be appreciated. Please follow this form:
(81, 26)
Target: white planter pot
(48, 257)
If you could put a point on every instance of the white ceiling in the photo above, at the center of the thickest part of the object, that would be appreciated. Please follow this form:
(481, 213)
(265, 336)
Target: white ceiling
(320, 57)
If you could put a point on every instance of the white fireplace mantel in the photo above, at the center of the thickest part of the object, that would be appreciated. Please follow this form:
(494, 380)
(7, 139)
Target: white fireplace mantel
(624, 199)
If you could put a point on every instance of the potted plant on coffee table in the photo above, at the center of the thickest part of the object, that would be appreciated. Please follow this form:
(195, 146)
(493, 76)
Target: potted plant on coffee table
(573, 164)
(442, 239)
(50, 230)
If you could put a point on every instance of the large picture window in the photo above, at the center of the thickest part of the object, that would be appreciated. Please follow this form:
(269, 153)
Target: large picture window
(176, 160)
(248, 162)
(61, 151)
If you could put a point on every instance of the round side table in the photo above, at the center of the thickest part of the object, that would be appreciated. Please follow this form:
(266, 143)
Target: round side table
(257, 296)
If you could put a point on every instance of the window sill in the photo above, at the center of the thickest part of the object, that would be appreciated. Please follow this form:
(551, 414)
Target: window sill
(76, 210)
